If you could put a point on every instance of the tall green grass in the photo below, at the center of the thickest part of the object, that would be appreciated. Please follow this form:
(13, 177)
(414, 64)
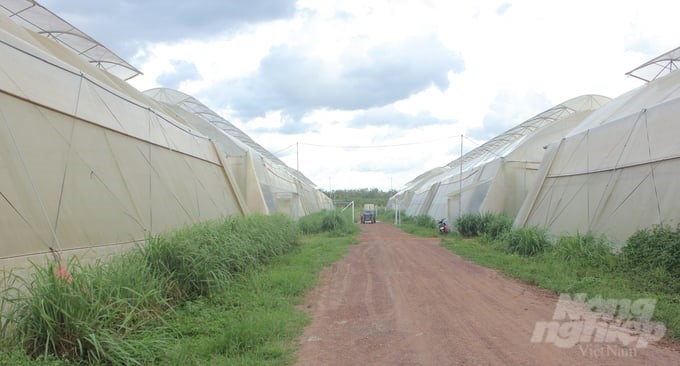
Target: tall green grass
(646, 267)
(527, 241)
(115, 312)
(200, 259)
(422, 221)
(652, 257)
(335, 223)
(98, 313)
(489, 224)
(494, 226)
(469, 225)
(585, 250)
(657, 247)
(256, 320)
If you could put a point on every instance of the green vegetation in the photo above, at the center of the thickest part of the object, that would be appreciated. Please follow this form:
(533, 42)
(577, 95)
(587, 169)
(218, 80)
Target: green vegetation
(335, 223)
(95, 313)
(342, 197)
(421, 225)
(488, 224)
(424, 221)
(550, 271)
(495, 226)
(585, 251)
(254, 321)
(215, 293)
(361, 196)
(199, 259)
(648, 266)
(528, 241)
(652, 258)
(469, 225)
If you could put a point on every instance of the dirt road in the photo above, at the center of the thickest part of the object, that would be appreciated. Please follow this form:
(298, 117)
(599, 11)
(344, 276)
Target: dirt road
(400, 300)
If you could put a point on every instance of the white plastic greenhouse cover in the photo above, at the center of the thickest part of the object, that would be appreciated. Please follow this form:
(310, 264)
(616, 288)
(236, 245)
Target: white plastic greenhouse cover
(617, 171)
(497, 175)
(267, 182)
(89, 165)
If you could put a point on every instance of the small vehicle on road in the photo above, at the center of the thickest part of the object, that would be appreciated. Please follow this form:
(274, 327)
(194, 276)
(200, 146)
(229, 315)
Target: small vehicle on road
(368, 215)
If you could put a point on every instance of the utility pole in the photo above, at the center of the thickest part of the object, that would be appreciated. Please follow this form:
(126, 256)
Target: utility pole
(460, 180)
(297, 155)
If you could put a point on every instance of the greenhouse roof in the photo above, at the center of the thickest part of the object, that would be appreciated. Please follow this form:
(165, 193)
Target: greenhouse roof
(33, 16)
(192, 105)
(658, 66)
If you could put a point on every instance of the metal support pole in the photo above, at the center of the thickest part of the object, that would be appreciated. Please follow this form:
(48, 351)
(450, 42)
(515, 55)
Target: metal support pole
(460, 180)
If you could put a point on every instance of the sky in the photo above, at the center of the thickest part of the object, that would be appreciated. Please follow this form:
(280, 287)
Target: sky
(372, 93)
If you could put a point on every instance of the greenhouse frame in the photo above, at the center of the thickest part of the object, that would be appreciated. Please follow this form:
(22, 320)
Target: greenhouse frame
(590, 164)
(90, 165)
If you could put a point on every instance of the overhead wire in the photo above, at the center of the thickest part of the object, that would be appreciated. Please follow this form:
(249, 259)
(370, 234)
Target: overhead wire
(366, 146)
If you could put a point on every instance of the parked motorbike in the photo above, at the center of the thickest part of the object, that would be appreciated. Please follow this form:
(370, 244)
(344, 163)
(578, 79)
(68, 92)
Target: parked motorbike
(443, 226)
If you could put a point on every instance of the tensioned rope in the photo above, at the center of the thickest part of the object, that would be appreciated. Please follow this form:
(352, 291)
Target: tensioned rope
(55, 239)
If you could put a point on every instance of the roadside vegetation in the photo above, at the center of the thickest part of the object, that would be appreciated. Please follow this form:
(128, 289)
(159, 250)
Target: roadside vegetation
(335, 223)
(647, 266)
(421, 225)
(343, 197)
(215, 293)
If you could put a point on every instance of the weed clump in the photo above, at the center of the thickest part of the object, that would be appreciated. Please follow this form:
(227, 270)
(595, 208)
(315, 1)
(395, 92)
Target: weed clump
(469, 225)
(585, 251)
(105, 312)
(198, 260)
(527, 241)
(653, 256)
(489, 224)
(335, 223)
(495, 226)
(651, 248)
(95, 313)
(424, 221)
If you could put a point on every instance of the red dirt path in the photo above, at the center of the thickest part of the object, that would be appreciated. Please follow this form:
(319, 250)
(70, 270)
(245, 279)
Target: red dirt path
(396, 299)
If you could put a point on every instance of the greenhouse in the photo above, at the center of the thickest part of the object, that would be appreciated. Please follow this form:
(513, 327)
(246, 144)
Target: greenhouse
(268, 185)
(616, 171)
(496, 176)
(589, 164)
(90, 165)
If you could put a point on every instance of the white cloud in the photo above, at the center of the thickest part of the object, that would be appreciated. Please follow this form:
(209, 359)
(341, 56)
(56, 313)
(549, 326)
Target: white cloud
(128, 24)
(385, 72)
(506, 109)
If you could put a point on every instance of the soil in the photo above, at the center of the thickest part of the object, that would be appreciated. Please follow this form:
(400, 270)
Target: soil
(396, 299)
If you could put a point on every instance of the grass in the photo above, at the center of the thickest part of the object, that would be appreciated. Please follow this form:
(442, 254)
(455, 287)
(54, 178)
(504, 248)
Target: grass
(198, 260)
(527, 241)
(255, 321)
(99, 313)
(335, 223)
(418, 230)
(421, 225)
(491, 225)
(215, 293)
(648, 266)
(550, 270)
